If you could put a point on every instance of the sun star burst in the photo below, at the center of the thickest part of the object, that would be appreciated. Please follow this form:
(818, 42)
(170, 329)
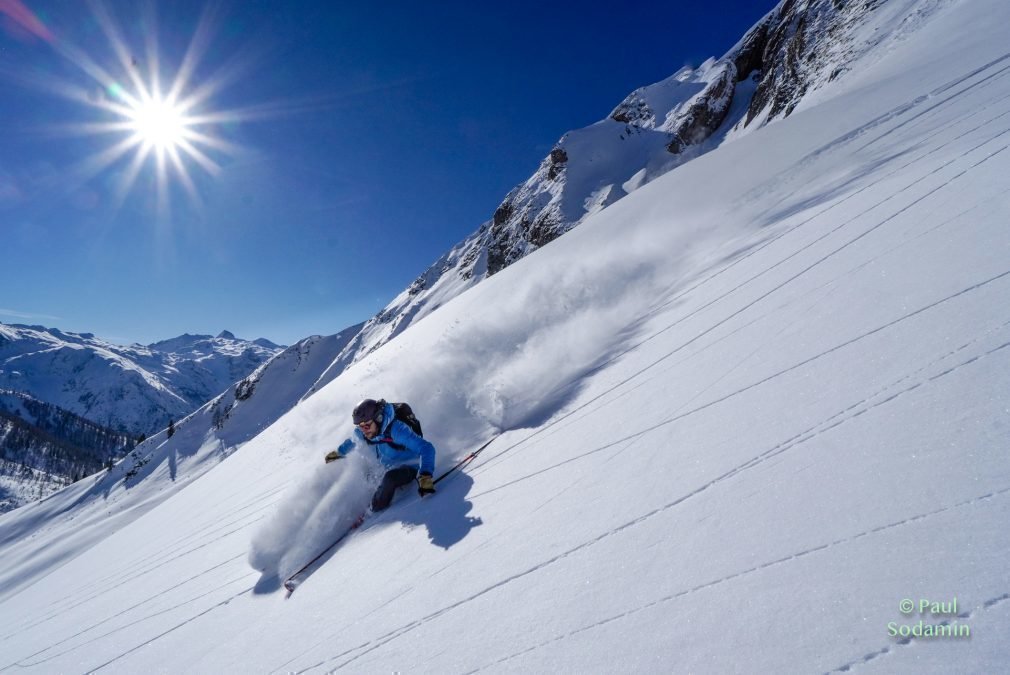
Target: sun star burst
(165, 125)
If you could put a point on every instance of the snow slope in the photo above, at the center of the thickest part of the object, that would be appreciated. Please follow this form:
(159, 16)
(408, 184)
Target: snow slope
(78, 518)
(745, 412)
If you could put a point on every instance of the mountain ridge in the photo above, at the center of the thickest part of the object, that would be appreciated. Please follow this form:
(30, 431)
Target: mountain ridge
(136, 389)
(783, 61)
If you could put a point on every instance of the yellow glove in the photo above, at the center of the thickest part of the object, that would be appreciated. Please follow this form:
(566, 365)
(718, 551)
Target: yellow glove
(425, 485)
(333, 455)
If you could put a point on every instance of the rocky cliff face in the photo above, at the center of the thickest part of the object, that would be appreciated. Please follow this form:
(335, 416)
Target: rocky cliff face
(797, 48)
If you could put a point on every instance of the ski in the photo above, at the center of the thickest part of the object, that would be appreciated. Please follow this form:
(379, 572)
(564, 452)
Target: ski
(292, 582)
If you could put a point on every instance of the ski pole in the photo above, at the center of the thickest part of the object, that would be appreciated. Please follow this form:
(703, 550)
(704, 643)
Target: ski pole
(466, 459)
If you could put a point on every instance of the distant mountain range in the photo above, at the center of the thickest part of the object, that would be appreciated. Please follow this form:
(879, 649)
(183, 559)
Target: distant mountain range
(71, 403)
(134, 389)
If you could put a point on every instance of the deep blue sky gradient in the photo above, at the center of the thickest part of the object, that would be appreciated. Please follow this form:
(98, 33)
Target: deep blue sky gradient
(384, 133)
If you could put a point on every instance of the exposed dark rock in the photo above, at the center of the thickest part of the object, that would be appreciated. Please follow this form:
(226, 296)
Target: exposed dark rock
(633, 111)
(544, 230)
(418, 285)
(790, 48)
(558, 158)
(502, 213)
(706, 114)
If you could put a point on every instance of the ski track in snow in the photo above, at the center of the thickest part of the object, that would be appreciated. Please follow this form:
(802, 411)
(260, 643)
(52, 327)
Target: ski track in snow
(904, 642)
(167, 549)
(660, 373)
(774, 563)
(800, 167)
(136, 570)
(25, 662)
(113, 589)
(838, 418)
(744, 284)
(174, 628)
(399, 632)
(801, 364)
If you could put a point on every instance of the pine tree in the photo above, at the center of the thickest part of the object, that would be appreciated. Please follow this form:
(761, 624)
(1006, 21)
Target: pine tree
(171, 428)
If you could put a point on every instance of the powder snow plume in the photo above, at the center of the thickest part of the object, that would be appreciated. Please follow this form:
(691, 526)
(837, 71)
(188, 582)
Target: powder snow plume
(313, 513)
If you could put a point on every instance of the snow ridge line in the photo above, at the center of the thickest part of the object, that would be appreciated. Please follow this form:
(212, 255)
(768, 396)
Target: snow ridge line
(491, 461)
(774, 563)
(904, 642)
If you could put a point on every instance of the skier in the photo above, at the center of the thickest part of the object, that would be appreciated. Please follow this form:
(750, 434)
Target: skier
(397, 447)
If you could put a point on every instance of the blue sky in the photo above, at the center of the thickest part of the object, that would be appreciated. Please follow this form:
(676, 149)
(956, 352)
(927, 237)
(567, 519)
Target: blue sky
(351, 146)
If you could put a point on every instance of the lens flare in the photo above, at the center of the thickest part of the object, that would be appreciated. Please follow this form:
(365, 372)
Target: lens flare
(164, 124)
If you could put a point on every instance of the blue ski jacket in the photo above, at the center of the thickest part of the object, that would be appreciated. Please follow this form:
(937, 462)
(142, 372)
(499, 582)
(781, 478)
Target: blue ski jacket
(410, 449)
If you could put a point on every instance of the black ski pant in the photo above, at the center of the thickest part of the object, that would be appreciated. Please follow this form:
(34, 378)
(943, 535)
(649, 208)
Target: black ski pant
(394, 479)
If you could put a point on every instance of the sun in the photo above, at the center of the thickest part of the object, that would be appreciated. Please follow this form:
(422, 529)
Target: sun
(158, 123)
(159, 112)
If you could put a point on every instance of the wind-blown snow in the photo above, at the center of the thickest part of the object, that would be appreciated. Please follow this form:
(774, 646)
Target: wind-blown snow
(318, 510)
(743, 412)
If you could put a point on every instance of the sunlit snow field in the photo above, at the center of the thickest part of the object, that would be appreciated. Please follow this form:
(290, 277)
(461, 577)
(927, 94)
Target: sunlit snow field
(743, 414)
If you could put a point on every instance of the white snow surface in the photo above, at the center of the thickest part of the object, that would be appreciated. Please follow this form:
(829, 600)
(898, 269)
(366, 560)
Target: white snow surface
(743, 413)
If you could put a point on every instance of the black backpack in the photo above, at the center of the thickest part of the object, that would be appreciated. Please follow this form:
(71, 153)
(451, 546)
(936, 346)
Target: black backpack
(404, 413)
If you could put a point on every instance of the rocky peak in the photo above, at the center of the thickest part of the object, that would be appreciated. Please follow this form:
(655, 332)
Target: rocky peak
(798, 47)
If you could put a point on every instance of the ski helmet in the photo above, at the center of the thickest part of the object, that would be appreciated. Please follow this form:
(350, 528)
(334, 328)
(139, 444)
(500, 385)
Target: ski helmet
(366, 411)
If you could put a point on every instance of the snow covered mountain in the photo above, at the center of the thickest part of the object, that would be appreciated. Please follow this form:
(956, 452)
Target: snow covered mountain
(44, 448)
(161, 465)
(751, 417)
(134, 389)
(778, 67)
